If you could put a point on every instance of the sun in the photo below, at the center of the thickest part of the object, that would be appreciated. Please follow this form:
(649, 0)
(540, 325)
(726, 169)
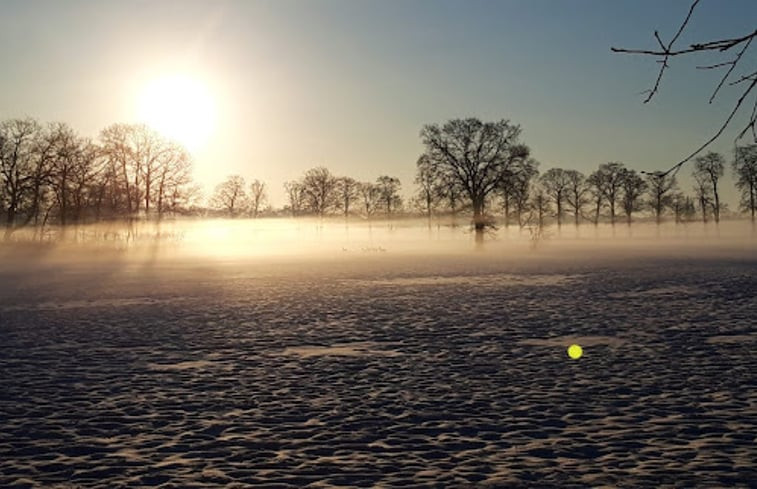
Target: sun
(180, 107)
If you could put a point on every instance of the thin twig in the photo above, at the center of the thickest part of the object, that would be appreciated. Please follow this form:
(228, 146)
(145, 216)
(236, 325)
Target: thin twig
(728, 73)
(722, 128)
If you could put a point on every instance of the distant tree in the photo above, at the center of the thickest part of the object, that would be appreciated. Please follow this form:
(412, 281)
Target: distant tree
(633, 189)
(320, 188)
(347, 188)
(84, 180)
(65, 158)
(429, 183)
(609, 178)
(576, 196)
(556, 184)
(173, 189)
(25, 167)
(745, 172)
(388, 188)
(540, 204)
(521, 181)
(476, 154)
(711, 166)
(660, 185)
(596, 185)
(370, 195)
(295, 191)
(230, 196)
(703, 193)
(144, 165)
(514, 187)
(258, 197)
(683, 207)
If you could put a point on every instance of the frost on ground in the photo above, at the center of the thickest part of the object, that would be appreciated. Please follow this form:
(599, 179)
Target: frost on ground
(380, 372)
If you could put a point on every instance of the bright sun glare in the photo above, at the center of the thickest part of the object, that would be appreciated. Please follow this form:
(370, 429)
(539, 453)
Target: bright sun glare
(181, 108)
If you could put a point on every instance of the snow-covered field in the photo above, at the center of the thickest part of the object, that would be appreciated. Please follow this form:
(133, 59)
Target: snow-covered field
(372, 366)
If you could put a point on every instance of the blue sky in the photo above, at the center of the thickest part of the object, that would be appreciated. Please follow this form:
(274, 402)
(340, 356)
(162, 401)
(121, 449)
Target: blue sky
(348, 84)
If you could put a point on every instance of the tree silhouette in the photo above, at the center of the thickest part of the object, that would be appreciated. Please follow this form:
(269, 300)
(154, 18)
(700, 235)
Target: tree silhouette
(296, 195)
(608, 181)
(258, 197)
(477, 155)
(370, 194)
(745, 170)
(429, 185)
(347, 189)
(702, 191)
(521, 178)
(633, 188)
(577, 194)
(596, 185)
(540, 204)
(319, 186)
(556, 183)
(660, 185)
(710, 167)
(24, 159)
(230, 196)
(388, 188)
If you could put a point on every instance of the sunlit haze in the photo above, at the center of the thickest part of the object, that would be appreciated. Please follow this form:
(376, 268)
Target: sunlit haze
(180, 107)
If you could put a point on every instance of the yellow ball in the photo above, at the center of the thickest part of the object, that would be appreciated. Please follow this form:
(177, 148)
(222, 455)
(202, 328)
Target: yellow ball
(575, 352)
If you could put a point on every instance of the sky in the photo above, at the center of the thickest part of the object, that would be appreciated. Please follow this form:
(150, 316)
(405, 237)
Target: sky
(348, 84)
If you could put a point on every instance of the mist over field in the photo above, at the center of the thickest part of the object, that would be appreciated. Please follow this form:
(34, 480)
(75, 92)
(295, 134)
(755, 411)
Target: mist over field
(317, 242)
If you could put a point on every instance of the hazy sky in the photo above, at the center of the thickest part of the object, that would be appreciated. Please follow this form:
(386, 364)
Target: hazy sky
(348, 84)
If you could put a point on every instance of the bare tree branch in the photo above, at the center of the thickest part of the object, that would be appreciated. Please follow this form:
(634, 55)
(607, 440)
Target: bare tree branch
(667, 51)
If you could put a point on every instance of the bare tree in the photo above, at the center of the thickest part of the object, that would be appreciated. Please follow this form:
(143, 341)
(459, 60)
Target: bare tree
(319, 186)
(522, 178)
(476, 154)
(429, 185)
(173, 179)
(660, 185)
(702, 191)
(370, 195)
(609, 180)
(633, 188)
(540, 204)
(683, 207)
(230, 196)
(347, 188)
(296, 195)
(745, 170)
(389, 188)
(258, 197)
(577, 193)
(141, 157)
(556, 183)
(731, 51)
(85, 179)
(711, 167)
(596, 186)
(22, 171)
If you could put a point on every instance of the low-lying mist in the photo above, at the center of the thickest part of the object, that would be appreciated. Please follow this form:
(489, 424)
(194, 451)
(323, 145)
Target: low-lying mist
(239, 240)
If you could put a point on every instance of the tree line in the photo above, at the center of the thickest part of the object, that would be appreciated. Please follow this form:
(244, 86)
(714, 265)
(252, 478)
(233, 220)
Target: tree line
(489, 167)
(50, 174)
